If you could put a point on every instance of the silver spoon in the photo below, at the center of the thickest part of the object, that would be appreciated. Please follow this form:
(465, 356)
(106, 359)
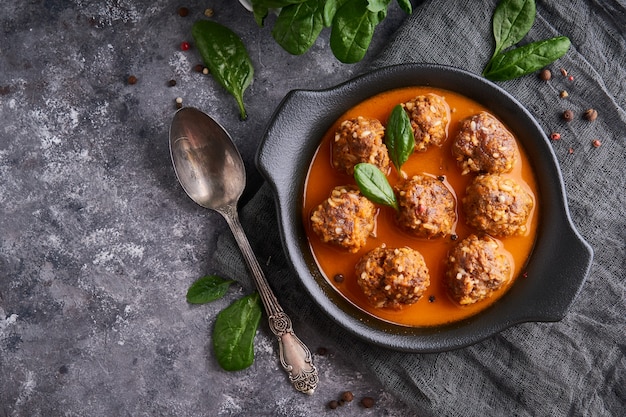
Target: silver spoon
(211, 171)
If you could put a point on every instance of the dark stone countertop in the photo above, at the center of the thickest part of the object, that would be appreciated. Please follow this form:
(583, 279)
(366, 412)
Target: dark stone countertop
(99, 243)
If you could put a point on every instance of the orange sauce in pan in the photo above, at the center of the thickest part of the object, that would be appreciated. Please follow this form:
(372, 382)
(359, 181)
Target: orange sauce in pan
(435, 307)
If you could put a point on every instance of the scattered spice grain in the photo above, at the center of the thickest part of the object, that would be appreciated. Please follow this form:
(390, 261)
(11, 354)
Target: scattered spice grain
(339, 278)
(198, 67)
(596, 143)
(209, 12)
(185, 46)
(179, 102)
(563, 72)
(333, 404)
(322, 351)
(183, 11)
(347, 396)
(555, 136)
(590, 115)
(545, 74)
(367, 402)
(132, 80)
(570, 151)
(431, 299)
(171, 83)
(568, 115)
(563, 94)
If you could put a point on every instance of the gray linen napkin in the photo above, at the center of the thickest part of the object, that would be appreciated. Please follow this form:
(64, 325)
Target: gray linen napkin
(573, 367)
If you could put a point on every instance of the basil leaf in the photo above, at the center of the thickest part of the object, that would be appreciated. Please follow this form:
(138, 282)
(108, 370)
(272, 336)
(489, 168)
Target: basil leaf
(225, 55)
(512, 19)
(234, 331)
(526, 59)
(207, 288)
(399, 137)
(298, 26)
(352, 30)
(374, 185)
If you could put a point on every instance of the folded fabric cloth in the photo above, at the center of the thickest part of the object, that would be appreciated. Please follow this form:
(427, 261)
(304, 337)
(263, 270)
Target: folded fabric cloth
(578, 365)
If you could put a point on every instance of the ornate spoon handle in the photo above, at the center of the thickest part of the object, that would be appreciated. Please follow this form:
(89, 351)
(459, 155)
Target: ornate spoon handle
(295, 357)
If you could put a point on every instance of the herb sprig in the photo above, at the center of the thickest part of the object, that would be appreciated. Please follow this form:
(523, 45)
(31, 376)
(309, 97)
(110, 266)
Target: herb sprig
(512, 20)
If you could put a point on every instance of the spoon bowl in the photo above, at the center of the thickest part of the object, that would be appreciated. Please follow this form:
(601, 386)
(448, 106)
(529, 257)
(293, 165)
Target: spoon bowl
(211, 171)
(206, 161)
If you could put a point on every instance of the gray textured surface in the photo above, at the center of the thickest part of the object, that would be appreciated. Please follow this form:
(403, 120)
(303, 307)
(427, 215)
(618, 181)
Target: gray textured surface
(98, 243)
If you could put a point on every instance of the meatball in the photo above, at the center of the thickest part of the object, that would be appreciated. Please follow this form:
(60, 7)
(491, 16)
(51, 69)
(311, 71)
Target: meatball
(475, 268)
(345, 219)
(359, 140)
(392, 277)
(429, 116)
(497, 205)
(484, 145)
(426, 207)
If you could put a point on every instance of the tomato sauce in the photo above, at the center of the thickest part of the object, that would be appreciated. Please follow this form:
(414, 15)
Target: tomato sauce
(435, 307)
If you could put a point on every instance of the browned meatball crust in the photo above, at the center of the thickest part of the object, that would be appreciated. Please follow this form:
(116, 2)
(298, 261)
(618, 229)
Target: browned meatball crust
(392, 278)
(359, 140)
(475, 268)
(345, 219)
(429, 115)
(426, 207)
(497, 205)
(484, 145)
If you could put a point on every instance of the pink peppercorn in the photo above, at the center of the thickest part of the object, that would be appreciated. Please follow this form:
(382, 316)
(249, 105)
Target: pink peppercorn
(555, 136)
(185, 46)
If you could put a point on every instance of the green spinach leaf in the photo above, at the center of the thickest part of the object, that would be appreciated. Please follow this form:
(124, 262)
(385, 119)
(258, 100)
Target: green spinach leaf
(234, 331)
(207, 288)
(526, 59)
(377, 5)
(399, 137)
(406, 6)
(512, 20)
(225, 55)
(352, 30)
(260, 8)
(298, 26)
(374, 185)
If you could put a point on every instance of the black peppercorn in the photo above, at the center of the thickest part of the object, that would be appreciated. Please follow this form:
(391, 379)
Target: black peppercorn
(568, 115)
(368, 402)
(333, 404)
(347, 396)
(590, 114)
(338, 278)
